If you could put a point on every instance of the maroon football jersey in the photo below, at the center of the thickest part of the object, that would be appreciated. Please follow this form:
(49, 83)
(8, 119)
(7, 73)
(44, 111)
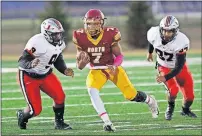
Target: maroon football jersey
(99, 49)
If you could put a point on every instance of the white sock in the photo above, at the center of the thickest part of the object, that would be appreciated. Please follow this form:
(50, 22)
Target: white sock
(98, 104)
(148, 100)
(104, 116)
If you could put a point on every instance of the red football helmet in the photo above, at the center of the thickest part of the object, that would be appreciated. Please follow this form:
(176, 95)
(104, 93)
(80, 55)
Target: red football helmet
(94, 21)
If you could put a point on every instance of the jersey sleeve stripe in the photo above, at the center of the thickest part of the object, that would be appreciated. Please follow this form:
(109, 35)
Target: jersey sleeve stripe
(117, 37)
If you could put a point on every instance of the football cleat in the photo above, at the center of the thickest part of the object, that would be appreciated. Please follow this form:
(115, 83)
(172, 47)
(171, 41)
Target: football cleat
(59, 124)
(109, 127)
(188, 112)
(22, 123)
(169, 112)
(153, 106)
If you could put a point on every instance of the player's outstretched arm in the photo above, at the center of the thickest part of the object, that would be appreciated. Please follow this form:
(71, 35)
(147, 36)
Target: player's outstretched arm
(27, 60)
(61, 66)
(180, 60)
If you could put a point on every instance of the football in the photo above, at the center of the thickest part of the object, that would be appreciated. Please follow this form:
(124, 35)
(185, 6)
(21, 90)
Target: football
(83, 55)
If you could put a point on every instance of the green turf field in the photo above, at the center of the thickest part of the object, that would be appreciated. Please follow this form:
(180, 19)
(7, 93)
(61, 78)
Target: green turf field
(129, 118)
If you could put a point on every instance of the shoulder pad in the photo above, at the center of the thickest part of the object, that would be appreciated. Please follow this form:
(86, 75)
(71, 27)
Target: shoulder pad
(36, 45)
(182, 42)
(116, 34)
(151, 34)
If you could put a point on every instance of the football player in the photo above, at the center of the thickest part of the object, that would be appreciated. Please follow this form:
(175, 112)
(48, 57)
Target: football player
(100, 46)
(41, 52)
(171, 47)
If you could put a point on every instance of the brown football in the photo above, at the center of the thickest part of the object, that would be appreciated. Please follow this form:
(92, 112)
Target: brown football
(82, 55)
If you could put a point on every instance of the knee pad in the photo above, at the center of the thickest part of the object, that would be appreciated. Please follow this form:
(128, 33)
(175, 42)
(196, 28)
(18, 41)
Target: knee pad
(173, 91)
(140, 97)
(93, 91)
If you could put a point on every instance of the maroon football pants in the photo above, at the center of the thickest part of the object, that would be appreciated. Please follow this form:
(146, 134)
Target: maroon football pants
(183, 81)
(31, 90)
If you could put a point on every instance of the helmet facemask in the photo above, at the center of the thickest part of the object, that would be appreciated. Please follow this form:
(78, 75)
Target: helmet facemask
(93, 26)
(57, 37)
(168, 35)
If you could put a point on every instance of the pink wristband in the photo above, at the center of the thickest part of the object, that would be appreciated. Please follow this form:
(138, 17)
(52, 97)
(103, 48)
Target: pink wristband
(118, 60)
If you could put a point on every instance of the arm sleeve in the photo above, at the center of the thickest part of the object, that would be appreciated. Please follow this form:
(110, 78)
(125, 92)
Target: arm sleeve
(60, 64)
(25, 60)
(151, 48)
(181, 58)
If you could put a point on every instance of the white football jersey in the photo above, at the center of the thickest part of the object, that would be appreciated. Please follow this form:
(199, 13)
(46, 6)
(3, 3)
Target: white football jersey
(44, 51)
(166, 54)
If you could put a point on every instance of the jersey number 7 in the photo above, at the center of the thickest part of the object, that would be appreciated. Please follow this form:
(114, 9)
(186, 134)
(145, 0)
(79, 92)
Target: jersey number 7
(98, 56)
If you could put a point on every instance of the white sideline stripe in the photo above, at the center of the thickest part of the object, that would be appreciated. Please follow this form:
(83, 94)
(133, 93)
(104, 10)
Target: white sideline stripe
(86, 95)
(95, 115)
(106, 103)
(127, 63)
(106, 86)
(83, 80)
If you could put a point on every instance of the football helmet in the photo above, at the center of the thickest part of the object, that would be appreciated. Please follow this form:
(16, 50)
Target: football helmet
(94, 21)
(169, 27)
(52, 30)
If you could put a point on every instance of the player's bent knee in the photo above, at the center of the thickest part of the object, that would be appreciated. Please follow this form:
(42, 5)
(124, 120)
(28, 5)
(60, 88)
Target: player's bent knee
(189, 98)
(92, 91)
(173, 91)
(140, 97)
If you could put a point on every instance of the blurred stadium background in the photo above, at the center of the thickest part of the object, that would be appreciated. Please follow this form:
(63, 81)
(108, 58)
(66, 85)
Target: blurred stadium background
(20, 22)
(20, 19)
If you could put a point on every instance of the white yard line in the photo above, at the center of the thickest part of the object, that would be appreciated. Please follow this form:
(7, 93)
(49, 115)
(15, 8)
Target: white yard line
(105, 87)
(6, 119)
(106, 103)
(127, 63)
(86, 95)
(83, 80)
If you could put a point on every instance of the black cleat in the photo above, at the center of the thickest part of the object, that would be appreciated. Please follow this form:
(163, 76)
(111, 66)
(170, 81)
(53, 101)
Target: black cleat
(188, 112)
(21, 121)
(109, 127)
(59, 124)
(169, 112)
